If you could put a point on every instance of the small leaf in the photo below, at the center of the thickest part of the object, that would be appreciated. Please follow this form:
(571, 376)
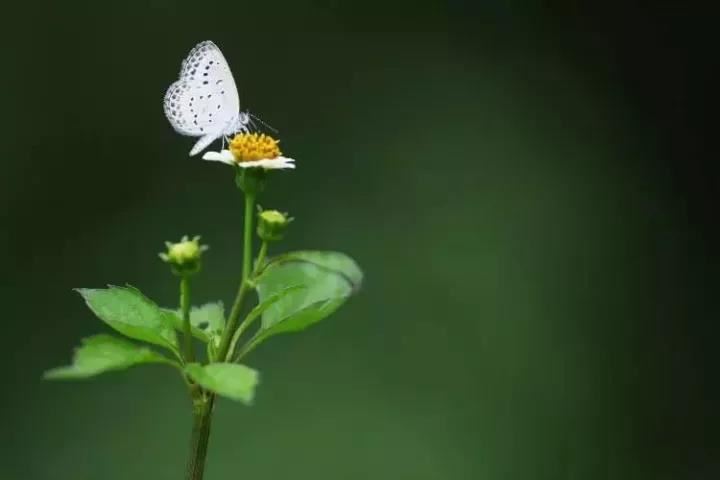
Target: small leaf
(209, 317)
(327, 280)
(131, 313)
(103, 353)
(206, 322)
(231, 380)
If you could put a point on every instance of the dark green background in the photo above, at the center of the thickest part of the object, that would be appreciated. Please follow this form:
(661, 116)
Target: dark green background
(540, 272)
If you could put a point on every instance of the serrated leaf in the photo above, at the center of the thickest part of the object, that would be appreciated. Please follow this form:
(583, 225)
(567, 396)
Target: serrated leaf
(206, 321)
(230, 380)
(129, 312)
(103, 353)
(327, 280)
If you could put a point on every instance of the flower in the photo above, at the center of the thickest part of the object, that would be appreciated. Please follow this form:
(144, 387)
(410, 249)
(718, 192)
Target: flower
(252, 150)
(184, 257)
(272, 225)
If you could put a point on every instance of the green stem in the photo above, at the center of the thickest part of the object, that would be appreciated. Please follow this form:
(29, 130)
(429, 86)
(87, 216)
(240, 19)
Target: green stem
(185, 307)
(248, 235)
(203, 402)
(244, 286)
(248, 319)
(260, 258)
(202, 419)
(247, 348)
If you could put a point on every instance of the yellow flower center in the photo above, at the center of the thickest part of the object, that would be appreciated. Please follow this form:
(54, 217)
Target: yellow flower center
(248, 147)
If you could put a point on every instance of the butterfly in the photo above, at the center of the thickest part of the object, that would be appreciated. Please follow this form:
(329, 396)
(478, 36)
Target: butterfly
(204, 101)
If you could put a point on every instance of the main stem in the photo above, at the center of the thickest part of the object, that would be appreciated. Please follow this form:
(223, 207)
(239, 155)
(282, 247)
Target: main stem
(202, 419)
(248, 235)
(244, 287)
(203, 401)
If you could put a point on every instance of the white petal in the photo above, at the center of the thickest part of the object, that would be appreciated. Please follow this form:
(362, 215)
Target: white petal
(270, 163)
(224, 156)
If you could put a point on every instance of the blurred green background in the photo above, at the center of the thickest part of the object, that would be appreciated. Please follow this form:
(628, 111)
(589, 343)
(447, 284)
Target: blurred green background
(540, 287)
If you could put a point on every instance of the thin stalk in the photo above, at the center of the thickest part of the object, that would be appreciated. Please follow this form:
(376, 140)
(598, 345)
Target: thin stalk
(202, 420)
(260, 258)
(249, 318)
(247, 348)
(244, 286)
(185, 307)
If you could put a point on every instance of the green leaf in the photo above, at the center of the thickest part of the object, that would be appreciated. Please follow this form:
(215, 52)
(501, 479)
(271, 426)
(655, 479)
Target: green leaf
(175, 319)
(269, 301)
(103, 353)
(231, 380)
(327, 280)
(131, 313)
(206, 322)
(209, 317)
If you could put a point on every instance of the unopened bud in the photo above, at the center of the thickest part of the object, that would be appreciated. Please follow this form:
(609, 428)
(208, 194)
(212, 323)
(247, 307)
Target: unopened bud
(272, 225)
(185, 256)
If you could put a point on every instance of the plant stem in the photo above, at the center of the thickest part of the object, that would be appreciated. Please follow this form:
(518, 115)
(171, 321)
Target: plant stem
(248, 319)
(260, 258)
(248, 235)
(244, 287)
(203, 401)
(202, 419)
(185, 307)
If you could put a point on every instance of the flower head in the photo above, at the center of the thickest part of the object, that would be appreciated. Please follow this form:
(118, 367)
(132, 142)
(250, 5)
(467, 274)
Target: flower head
(252, 150)
(185, 256)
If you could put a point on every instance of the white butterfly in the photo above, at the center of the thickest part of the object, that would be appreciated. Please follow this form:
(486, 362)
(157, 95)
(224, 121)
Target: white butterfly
(204, 101)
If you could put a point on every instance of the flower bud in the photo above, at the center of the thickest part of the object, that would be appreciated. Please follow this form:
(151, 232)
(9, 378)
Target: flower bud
(272, 225)
(185, 256)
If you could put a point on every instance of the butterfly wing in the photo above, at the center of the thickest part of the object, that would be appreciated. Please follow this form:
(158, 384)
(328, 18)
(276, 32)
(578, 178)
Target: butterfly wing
(204, 101)
(204, 142)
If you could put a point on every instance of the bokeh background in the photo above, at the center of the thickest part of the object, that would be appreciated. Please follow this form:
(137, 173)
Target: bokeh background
(526, 184)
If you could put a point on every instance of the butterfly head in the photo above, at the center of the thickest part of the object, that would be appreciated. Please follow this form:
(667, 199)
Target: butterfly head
(244, 121)
(240, 124)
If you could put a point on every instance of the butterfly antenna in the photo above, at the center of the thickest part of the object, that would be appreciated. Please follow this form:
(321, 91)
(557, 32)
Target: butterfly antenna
(260, 120)
(252, 123)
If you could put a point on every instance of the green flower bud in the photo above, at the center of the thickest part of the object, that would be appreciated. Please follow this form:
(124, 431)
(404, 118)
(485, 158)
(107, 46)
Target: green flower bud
(185, 256)
(272, 225)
